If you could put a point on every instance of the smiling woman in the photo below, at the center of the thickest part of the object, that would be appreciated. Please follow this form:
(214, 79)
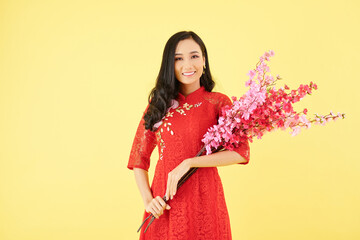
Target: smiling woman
(183, 51)
(189, 63)
(181, 108)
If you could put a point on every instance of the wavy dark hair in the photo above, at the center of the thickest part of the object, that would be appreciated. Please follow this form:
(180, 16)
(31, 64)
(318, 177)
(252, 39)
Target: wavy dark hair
(167, 86)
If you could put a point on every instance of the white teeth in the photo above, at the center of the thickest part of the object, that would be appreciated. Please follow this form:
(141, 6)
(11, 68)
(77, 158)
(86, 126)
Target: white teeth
(188, 74)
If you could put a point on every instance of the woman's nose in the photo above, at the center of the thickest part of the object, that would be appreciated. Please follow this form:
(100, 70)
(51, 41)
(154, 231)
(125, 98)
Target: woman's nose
(187, 63)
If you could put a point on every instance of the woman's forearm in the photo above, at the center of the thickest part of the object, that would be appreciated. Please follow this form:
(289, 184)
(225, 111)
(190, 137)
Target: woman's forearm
(222, 158)
(142, 181)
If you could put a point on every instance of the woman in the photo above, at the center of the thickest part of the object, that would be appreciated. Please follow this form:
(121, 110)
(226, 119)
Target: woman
(181, 108)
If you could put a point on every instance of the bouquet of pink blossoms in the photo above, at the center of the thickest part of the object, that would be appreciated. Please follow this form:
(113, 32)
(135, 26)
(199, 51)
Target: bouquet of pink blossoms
(261, 109)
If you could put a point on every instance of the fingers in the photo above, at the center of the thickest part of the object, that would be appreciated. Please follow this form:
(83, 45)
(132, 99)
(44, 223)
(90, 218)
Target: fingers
(157, 206)
(171, 187)
(154, 211)
(168, 185)
(163, 203)
(167, 192)
(150, 209)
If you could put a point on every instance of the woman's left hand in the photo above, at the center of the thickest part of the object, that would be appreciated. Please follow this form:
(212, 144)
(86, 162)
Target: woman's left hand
(174, 177)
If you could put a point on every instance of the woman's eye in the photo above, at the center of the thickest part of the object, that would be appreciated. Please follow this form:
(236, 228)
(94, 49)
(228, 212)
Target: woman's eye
(179, 58)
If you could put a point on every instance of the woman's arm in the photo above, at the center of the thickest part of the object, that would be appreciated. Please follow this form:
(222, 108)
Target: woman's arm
(142, 181)
(222, 158)
(155, 205)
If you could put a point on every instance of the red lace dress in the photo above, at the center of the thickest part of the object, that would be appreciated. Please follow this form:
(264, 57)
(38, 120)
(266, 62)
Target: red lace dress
(198, 210)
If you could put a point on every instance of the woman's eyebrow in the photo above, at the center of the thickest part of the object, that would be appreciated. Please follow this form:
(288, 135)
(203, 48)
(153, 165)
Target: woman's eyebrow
(190, 52)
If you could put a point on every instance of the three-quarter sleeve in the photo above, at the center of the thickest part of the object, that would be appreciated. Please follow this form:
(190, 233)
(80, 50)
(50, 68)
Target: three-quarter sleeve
(142, 147)
(243, 148)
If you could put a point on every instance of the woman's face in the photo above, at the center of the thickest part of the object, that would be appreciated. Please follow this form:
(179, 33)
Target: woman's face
(189, 63)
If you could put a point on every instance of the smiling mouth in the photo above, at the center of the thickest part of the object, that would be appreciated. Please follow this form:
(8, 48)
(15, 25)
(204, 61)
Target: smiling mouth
(188, 73)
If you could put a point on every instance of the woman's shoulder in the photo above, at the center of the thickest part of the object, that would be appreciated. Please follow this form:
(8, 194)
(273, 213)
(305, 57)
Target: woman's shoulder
(217, 98)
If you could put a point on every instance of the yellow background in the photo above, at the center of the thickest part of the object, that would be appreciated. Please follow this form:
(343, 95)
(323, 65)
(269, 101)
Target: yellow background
(74, 81)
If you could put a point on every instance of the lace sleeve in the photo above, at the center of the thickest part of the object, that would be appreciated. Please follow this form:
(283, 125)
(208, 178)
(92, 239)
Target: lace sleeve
(143, 145)
(243, 149)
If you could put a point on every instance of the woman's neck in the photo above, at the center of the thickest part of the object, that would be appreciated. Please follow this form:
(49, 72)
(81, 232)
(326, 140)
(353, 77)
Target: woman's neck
(186, 89)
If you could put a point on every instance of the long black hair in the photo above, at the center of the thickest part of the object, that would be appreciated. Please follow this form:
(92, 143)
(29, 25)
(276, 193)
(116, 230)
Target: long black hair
(167, 86)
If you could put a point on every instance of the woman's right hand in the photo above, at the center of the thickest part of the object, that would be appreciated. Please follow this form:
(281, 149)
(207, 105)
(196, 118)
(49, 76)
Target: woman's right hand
(156, 206)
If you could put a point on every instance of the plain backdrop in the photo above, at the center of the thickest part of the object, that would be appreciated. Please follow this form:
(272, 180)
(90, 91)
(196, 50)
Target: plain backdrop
(74, 81)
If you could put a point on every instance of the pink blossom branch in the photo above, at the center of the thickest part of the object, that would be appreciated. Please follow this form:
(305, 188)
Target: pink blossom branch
(261, 109)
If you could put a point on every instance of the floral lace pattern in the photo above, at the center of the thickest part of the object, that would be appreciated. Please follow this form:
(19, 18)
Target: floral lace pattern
(198, 210)
(166, 124)
(141, 152)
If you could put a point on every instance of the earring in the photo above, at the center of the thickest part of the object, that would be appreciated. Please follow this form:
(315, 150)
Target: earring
(204, 69)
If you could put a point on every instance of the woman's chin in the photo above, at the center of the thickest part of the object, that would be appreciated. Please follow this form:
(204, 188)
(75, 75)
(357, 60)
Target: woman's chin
(189, 81)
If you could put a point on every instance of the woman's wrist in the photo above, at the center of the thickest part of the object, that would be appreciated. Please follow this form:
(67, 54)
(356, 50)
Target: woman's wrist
(189, 162)
(147, 200)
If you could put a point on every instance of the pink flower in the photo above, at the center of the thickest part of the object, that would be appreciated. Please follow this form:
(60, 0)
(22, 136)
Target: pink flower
(287, 107)
(208, 149)
(252, 74)
(158, 124)
(262, 109)
(296, 131)
(174, 104)
(248, 83)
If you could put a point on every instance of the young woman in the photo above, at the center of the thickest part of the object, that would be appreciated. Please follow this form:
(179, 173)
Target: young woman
(181, 108)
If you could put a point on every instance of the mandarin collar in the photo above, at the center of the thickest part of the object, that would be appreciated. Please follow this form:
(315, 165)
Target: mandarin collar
(192, 95)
